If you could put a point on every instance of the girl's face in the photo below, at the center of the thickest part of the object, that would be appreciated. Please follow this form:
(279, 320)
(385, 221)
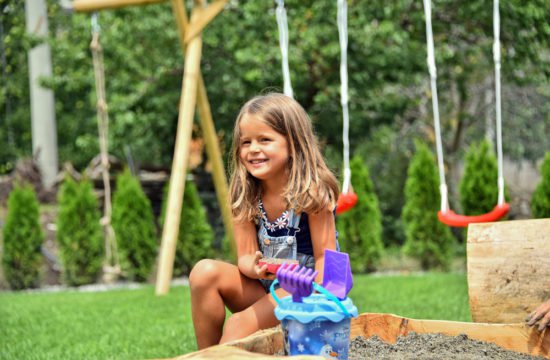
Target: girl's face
(262, 150)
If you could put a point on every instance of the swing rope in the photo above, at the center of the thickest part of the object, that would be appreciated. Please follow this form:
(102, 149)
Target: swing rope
(446, 215)
(282, 24)
(347, 198)
(111, 267)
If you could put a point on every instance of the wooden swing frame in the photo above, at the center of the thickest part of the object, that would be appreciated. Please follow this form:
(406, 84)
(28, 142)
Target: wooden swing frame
(193, 94)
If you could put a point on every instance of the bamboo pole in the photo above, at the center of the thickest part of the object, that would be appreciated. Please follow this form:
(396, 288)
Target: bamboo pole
(95, 5)
(179, 164)
(208, 15)
(209, 132)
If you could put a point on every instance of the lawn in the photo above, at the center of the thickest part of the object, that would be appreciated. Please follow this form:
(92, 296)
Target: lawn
(136, 324)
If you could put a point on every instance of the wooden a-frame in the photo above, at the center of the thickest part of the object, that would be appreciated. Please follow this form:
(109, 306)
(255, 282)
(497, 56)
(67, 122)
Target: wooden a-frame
(193, 93)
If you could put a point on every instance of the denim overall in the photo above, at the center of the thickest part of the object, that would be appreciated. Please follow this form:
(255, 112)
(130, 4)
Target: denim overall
(283, 247)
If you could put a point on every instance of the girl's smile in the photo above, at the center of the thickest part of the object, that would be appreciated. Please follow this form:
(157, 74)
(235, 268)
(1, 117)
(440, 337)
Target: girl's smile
(263, 151)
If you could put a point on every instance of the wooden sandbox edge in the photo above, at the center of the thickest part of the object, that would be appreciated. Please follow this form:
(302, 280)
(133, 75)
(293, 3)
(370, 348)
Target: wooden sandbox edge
(263, 344)
(516, 337)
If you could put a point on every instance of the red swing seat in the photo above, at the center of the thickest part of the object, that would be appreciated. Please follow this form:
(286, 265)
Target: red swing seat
(346, 202)
(451, 218)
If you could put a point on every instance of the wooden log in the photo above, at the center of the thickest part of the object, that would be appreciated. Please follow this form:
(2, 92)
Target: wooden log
(508, 269)
(179, 164)
(95, 5)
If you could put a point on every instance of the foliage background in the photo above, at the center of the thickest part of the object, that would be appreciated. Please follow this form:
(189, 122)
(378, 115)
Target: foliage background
(389, 92)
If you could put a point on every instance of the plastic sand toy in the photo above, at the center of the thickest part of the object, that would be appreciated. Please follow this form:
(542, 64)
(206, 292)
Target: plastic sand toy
(316, 324)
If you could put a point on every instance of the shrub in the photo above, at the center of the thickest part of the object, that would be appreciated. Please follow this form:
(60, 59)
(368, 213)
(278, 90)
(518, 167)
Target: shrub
(134, 226)
(195, 237)
(22, 239)
(426, 238)
(79, 232)
(478, 186)
(360, 229)
(540, 201)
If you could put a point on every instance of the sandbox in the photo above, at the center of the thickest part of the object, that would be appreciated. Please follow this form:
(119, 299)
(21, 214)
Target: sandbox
(268, 344)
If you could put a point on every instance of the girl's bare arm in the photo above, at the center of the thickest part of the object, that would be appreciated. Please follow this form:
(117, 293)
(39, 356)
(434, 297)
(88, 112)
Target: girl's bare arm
(248, 252)
(323, 236)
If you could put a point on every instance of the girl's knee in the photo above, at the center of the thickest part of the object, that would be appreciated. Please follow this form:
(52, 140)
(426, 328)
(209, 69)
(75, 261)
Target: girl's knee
(204, 273)
(237, 325)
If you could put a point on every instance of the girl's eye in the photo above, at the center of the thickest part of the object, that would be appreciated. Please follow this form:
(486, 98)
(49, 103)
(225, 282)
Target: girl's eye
(245, 142)
(265, 140)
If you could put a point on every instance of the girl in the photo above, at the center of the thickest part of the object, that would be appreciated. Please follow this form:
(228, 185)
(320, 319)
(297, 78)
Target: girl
(282, 197)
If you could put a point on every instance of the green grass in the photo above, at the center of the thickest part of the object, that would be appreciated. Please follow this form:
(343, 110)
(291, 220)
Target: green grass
(136, 324)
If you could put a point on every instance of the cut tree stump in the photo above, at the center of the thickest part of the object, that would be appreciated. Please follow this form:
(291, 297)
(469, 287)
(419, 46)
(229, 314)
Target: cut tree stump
(508, 269)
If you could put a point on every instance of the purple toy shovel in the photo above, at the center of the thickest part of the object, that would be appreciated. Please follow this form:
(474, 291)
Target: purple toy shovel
(337, 274)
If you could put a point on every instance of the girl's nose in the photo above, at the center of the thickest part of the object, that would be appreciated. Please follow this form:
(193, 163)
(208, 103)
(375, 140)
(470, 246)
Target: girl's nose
(254, 147)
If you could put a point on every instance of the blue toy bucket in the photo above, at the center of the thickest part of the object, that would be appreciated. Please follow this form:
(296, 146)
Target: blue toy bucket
(320, 325)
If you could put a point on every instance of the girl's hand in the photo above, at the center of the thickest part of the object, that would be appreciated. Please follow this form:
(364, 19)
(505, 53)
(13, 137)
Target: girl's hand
(261, 271)
(540, 315)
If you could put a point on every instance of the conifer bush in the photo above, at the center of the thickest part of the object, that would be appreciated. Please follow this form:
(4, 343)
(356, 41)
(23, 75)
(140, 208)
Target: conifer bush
(478, 186)
(360, 229)
(79, 232)
(426, 238)
(134, 226)
(23, 237)
(196, 236)
(540, 200)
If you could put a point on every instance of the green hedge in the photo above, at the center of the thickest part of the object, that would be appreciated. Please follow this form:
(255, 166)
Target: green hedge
(135, 228)
(426, 238)
(540, 200)
(22, 239)
(79, 232)
(360, 229)
(195, 237)
(478, 186)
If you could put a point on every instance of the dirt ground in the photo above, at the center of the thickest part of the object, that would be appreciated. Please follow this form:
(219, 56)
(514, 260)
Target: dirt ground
(430, 347)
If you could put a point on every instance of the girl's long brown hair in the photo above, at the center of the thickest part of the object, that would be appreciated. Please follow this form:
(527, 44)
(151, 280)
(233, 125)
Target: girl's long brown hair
(312, 187)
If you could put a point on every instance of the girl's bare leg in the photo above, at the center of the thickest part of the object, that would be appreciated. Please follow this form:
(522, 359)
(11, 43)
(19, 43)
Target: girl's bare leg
(253, 318)
(214, 285)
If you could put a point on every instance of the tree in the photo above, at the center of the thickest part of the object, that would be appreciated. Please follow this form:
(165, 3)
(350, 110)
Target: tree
(79, 233)
(540, 201)
(22, 239)
(478, 186)
(360, 229)
(426, 238)
(195, 236)
(134, 227)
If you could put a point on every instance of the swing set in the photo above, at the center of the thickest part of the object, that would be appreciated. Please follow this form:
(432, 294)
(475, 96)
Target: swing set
(348, 198)
(445, 214)
(193, 94)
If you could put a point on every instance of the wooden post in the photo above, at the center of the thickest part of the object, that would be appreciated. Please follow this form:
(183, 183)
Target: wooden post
(207, 125)
(508, 269)
(179, 164)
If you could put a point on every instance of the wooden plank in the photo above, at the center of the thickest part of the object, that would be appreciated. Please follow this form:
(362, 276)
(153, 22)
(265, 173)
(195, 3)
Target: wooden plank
(508, 269)
(96, 5)
(179, 165)
(233, 353)
(515, 337)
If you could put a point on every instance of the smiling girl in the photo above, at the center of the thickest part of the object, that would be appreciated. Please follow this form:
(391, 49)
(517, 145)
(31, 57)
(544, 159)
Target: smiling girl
(282, 197)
